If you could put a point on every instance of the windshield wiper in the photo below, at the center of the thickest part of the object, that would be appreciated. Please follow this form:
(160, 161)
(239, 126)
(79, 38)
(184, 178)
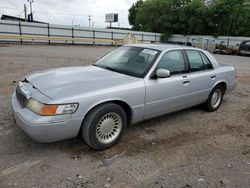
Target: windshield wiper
(112, 69)
(109, 68)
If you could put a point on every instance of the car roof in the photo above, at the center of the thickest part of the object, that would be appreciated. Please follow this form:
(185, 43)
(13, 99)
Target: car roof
(165, 47)
(161, 47)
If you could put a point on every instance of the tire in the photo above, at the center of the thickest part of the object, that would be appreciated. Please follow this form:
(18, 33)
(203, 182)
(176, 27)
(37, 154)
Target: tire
(104, 126)
(215, 99)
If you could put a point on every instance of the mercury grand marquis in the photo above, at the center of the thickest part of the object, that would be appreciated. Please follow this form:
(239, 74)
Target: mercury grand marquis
(131, 84)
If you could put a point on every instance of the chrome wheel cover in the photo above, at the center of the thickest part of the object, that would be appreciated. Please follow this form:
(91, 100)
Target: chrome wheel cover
(108, 128)
(216, 98)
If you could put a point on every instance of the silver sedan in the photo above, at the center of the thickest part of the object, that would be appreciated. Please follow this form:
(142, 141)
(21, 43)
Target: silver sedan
(128, 85)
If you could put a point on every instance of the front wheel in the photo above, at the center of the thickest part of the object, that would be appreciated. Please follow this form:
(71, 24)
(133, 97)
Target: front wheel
(104, 126)
(214, 100)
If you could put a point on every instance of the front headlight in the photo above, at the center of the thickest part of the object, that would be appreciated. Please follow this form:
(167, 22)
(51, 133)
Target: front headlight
(51, 109)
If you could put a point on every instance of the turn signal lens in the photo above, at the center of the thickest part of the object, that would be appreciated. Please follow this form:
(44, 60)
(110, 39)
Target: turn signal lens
(48, 110)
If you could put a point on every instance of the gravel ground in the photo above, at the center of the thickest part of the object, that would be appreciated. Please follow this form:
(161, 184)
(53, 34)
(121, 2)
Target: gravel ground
(191, 148)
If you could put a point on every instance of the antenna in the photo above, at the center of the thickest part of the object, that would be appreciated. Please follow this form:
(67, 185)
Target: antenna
(89, 20)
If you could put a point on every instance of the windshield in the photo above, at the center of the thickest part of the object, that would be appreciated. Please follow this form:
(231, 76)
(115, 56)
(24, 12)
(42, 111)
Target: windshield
(133, 61)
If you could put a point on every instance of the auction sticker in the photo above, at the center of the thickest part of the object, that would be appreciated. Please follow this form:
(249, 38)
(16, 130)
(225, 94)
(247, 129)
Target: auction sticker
(151, 52)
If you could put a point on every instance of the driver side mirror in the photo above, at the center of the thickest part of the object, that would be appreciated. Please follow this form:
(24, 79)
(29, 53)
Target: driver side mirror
(162, 73)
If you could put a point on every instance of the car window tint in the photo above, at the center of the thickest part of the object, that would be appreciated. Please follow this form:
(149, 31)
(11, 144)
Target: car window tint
(147, 57)
(196, 63)
(133, 61)
(172, 61)
(206, 61)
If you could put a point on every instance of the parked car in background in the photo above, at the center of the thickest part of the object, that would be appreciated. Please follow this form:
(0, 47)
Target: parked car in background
(244, 48)
(222, 48)
(131, 84)
(181, 43)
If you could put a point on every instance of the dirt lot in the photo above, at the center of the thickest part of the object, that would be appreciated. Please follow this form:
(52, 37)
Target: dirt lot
(191, 148)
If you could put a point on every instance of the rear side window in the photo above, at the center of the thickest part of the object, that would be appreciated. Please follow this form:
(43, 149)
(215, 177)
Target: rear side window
(198, 61)
(206, 61)
(173, 61)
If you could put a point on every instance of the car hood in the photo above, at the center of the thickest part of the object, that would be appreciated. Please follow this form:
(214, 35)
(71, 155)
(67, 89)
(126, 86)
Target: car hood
(71, 81)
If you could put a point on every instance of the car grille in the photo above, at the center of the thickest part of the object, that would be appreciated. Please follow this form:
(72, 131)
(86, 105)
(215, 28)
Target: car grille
(21, 98)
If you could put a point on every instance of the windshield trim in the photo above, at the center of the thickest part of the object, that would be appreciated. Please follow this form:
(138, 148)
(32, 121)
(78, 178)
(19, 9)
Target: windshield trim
(131, 74)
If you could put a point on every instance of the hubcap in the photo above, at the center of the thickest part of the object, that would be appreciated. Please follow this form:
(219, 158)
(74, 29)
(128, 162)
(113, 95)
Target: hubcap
(216, 98)
(108, 128)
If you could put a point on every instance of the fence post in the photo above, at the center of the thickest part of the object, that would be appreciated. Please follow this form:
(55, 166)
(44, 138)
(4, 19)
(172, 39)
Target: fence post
(93, 37)
(48, 33)
(72, 35)
(228, 42)
(142, 37)
(112, 38)
(20, 31)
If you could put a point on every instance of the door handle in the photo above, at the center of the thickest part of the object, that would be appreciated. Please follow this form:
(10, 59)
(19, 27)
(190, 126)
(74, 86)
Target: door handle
(186, 82)
(213, 77)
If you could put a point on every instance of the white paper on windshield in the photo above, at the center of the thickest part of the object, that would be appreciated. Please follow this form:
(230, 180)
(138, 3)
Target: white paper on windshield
(151, 52)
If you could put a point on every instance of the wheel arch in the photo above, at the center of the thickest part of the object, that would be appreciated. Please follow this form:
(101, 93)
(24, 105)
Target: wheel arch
(223, 84)
(124, 105)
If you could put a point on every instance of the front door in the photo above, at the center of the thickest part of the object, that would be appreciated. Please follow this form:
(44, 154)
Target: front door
(164, 95)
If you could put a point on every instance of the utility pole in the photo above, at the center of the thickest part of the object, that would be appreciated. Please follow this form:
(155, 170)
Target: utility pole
(31, 1)
(25, 12)
(31, 12)
(89, 20)
(73, 22)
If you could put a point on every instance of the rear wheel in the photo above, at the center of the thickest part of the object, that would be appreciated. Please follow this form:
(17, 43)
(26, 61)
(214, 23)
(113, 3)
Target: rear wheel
(104, 126)
(215, 99)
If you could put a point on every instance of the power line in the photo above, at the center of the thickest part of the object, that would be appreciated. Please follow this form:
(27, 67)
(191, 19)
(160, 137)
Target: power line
(68, 14)
(13, 4)
(10, 8)
(93, 18)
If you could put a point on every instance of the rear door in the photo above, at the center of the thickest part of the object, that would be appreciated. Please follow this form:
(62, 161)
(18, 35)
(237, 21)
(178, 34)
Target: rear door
(201, 75)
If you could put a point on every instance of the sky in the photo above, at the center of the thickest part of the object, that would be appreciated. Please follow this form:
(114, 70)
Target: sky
(68, 12)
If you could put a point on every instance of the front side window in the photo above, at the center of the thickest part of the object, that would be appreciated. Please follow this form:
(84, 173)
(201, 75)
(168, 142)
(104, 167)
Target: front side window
(172, 61)
(133, 61)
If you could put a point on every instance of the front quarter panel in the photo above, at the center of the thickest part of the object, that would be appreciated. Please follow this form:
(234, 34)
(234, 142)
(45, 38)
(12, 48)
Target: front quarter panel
(132, 93)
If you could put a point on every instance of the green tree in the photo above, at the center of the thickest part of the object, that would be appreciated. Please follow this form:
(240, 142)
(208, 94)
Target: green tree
(133, 13)
(231, 16)
(192, 18)
(204, 17)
